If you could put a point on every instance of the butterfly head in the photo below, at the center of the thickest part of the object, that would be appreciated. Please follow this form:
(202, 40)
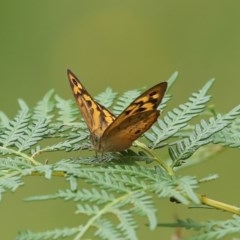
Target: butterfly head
(95, 140)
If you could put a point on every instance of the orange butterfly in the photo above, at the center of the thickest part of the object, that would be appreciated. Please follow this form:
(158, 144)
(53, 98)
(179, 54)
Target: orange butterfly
(112, 134)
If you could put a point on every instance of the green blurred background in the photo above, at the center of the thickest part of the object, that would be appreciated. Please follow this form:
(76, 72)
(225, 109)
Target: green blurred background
(124, 44)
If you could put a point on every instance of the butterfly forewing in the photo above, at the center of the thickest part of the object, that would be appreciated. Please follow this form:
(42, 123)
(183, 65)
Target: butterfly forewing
(96, 116)
(146, 102)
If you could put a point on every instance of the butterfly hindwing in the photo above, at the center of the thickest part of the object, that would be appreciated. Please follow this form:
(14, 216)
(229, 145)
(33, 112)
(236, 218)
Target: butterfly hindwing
(131, 128)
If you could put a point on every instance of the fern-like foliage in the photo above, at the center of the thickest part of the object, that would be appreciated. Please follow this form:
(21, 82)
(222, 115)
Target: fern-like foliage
(107, 97)
(211, 229)
(121, 192)
(44, 107)
(120, 186)
(201, 135)
(179, 117)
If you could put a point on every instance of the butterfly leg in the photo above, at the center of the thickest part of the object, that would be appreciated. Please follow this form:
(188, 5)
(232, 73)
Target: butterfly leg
(96, 155)
(102, 156)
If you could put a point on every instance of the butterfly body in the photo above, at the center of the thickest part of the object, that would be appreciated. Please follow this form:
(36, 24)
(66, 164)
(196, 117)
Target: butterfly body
(112, 134)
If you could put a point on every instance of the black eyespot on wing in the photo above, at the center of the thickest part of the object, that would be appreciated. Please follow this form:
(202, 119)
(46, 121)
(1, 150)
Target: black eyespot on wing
(153, 100)
(75, 82)
(152, 93)
(89, 103)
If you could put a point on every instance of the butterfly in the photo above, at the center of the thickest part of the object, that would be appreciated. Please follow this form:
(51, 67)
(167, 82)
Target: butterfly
(114, 134)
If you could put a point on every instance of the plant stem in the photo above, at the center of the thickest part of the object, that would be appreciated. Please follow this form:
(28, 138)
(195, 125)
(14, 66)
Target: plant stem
(17, 153)
(219, 205)
(155, 158)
